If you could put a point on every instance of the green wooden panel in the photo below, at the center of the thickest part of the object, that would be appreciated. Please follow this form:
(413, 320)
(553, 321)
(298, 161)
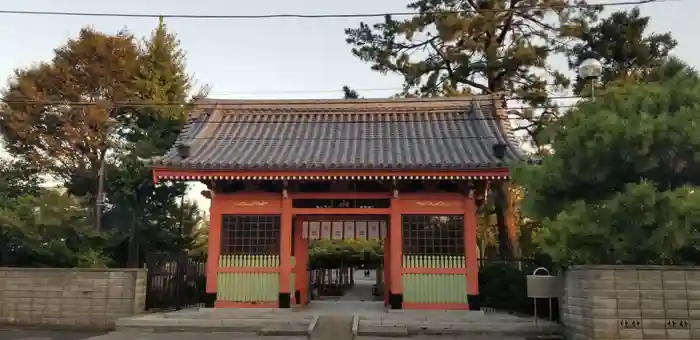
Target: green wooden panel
(292, 284)
(434, 288)
(247, 287)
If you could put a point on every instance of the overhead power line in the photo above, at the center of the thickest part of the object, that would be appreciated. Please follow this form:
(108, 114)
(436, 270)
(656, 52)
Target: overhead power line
(310, 16)
(234, 103)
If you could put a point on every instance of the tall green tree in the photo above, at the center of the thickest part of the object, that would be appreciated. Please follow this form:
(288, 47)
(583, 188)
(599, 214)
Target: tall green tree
(622, 43)
(153, 210)
(622, 185)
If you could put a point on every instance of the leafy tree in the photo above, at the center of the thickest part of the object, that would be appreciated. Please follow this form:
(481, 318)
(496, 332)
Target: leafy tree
(42, 123)
(622, 184)
(331, 253)
(621, 43)
(199, 236)
(17, 178)
(45, 127)
(454, 47)
(50, 229)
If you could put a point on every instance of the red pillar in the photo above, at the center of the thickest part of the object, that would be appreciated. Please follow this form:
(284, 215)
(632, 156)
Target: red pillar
(301, 254)
(214, 246)
(285, 298)
(396, 291)
(387, 267)
(470, 249)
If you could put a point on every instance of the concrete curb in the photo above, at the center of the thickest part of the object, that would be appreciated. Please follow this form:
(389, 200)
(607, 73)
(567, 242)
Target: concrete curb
(312, 326)
(355, 325)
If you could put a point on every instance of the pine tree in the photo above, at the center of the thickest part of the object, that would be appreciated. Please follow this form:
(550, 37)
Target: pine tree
(455, 47)
(622, 44)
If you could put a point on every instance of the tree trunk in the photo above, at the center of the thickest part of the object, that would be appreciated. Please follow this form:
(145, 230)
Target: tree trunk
(507, 230)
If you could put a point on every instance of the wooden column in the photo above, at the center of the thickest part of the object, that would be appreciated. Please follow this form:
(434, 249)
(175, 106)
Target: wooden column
(396, 290)
(214, 246)
(387, 266)
(301, 254)
(470, 248)
(285, 297)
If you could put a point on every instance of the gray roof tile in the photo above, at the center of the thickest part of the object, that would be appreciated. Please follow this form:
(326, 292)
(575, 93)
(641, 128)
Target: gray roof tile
(344, 134)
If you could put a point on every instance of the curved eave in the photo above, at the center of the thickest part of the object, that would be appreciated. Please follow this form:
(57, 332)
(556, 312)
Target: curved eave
(202, 174)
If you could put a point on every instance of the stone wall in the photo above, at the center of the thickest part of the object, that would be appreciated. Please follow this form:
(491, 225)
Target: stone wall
(90, 298)
(632, 302)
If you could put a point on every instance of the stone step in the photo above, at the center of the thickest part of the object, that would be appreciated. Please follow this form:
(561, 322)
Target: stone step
(335, 327)
(208, 325)
(490, 328)
(382, 331)
(276, 330)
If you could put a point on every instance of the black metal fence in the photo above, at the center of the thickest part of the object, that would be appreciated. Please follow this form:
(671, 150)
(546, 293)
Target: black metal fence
(503, 287)
(176, 282)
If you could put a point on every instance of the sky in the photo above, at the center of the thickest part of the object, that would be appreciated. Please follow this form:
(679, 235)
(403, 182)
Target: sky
(271, 59)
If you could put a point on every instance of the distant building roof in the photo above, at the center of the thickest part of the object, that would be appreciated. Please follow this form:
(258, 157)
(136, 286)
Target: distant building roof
(396, 134)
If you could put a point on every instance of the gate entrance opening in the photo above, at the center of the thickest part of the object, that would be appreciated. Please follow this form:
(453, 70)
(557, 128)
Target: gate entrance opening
(339, 258)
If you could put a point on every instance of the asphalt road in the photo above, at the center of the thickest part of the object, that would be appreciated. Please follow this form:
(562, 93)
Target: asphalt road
(33, 334)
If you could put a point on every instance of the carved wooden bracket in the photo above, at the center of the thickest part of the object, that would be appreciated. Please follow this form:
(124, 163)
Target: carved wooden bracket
(251, 204)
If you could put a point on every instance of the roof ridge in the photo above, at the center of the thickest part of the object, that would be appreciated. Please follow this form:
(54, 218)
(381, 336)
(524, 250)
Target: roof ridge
(342, 111)
(353, 102)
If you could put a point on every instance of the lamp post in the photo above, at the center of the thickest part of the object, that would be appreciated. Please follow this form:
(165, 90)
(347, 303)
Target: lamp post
(590, 69)
(101, 199)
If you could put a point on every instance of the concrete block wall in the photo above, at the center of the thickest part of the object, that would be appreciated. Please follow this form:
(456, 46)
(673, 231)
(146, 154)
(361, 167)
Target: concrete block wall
(82, 298)
(631, 302)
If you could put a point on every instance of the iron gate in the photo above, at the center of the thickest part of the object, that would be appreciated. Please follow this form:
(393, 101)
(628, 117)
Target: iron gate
(176, 281)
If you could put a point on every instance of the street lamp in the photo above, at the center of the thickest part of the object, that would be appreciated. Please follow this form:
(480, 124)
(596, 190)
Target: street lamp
(590, 69)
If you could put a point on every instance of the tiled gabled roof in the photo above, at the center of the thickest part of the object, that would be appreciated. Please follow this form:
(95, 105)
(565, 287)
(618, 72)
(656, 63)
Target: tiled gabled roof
(406, 134)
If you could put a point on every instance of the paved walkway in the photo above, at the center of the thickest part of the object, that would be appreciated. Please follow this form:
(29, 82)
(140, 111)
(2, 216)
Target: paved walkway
(189, 336)
(236, 336)
(362, 290)
(34, 334)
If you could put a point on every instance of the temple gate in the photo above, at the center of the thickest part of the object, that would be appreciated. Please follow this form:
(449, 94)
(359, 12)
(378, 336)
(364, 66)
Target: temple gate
(280, 173)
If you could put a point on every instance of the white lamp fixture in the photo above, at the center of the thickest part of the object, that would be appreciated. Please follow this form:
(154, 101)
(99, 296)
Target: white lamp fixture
(590, 69)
